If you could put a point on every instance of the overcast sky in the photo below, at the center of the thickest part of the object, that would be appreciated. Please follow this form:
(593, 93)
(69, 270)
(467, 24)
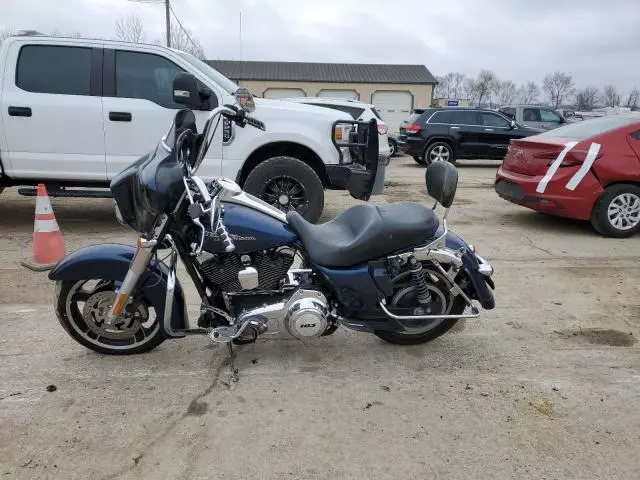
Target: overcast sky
(595, 41)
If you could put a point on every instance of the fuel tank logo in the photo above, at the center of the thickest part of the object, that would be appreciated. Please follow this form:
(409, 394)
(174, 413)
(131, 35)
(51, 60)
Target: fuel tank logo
(234, 237)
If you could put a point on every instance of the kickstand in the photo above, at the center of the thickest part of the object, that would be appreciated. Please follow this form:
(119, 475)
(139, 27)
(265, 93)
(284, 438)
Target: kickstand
(233, 371)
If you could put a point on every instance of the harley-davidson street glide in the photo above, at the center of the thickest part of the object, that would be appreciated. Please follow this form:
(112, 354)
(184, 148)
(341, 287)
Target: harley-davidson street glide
(391, 270)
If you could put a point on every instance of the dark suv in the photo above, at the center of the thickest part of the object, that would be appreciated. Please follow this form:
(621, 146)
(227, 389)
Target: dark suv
(447, 134)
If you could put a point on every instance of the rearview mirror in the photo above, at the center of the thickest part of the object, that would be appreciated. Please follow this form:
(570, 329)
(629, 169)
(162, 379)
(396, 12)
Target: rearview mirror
(245, 99)
(185, 90)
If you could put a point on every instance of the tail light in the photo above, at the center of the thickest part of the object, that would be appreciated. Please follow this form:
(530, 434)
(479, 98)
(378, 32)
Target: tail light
(382, 129)
(571, 158)
(412, 128)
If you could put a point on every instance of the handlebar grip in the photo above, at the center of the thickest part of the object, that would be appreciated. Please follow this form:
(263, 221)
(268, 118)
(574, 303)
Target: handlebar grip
(222, 231)
(254, 122)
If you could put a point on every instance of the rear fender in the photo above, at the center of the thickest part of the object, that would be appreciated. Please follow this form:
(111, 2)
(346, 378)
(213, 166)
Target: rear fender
(471, 265)
(110, 261)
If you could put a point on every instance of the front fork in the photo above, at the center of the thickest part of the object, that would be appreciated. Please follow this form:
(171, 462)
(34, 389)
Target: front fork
(137, 267)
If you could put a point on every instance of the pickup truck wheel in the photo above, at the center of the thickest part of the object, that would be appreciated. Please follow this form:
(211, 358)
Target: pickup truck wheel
(419, 160)
(288, 184)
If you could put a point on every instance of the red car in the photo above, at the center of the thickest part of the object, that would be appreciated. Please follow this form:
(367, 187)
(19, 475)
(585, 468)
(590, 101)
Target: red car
(587, 170)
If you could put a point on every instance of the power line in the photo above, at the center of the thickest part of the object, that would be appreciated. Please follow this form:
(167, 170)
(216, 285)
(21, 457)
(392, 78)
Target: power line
(183, 29)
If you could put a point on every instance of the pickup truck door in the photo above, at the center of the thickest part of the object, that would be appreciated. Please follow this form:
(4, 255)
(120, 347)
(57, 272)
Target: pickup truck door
(138, 108)
(52, 111)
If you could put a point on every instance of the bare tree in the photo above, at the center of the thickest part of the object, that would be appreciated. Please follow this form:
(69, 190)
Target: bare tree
(449, 85)
(5, 33)
(633, 99)
(559, 87)
(529, 93)
(441, 90)
(58, 33)
(129, 28)
(485, 85)
(183, 39)
(611, 96)
(469, 90)
(505, 92)
(587, 98)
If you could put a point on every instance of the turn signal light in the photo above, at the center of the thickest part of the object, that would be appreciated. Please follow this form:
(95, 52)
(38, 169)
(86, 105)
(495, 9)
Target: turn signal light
(382, 129)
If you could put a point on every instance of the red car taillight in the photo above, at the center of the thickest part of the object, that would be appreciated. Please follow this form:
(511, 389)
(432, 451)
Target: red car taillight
(412, 128)
(571, 158)
(382, 129)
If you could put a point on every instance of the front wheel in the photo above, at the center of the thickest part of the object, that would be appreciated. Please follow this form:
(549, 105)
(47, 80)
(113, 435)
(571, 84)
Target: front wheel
(83, 307)
(288, 184)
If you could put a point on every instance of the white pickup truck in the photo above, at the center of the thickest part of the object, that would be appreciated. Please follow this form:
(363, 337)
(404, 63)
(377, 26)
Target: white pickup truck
(75, 112)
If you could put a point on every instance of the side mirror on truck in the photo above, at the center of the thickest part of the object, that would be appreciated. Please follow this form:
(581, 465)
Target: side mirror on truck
(186, 91)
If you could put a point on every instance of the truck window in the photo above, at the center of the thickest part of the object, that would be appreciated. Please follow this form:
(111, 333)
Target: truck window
(54, 69)
(146, 76)
(493, 120)
(509, 112)
(531, 115)
(549, 116)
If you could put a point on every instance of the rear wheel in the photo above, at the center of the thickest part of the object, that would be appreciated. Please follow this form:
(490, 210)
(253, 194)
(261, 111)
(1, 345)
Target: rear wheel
(83, 307)
(419, 160)
(288, 184)
(617, 211)
(439, 152)
(404, 302)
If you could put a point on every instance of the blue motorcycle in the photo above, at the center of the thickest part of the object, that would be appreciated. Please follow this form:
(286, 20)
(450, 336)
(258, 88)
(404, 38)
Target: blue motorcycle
(391, 270)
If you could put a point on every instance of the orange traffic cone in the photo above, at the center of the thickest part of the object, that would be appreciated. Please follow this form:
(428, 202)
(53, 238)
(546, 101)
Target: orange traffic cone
(48, 246)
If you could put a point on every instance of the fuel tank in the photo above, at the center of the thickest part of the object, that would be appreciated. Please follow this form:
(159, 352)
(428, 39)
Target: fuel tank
(250, 230)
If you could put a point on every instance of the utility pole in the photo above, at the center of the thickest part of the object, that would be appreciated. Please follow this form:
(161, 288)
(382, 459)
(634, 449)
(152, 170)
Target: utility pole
(167, 12)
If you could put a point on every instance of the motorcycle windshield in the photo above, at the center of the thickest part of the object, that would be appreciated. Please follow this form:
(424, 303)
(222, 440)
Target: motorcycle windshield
(150, 186)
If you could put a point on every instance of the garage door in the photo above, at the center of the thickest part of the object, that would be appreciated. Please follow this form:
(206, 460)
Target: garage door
(336, 93)
(284, 93)
(394, 107)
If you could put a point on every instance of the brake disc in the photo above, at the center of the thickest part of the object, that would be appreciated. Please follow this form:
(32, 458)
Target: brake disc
(96, 313)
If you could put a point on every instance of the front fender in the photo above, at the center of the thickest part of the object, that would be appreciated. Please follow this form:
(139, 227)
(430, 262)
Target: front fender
(110, 261)
(471, 265)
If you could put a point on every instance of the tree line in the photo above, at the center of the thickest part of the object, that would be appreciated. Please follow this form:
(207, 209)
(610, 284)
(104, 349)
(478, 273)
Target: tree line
(130, 28)
(558, 89)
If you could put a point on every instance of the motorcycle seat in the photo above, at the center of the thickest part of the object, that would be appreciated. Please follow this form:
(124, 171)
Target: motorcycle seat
(365, 232)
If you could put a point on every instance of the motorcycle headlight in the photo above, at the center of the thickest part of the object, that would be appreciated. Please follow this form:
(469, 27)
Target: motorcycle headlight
(118, 214)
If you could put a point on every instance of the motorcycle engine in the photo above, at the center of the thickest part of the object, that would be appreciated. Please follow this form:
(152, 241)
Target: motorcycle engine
(255, 271)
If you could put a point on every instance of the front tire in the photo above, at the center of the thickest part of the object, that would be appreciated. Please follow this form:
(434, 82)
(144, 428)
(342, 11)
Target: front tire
(82, 306)
(616, 214)
(439, 152)
(288, 184)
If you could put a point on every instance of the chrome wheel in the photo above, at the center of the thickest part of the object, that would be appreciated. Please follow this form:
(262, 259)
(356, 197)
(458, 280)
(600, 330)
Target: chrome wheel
(624, 211)
(284, 193)
(439, 153)
(87, 305)
(392, 149)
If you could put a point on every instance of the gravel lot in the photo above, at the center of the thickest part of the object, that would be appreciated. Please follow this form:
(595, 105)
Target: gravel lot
(546, 386)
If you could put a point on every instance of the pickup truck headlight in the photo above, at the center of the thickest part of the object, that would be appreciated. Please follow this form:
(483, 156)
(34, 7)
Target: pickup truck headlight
(341, 134)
